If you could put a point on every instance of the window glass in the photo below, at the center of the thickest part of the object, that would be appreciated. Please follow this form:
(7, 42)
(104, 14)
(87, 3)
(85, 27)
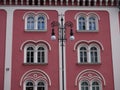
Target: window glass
(95, 86)
(81, 23)
(30, 55)
(84, 86)
(30, 23)
(92, 23)
(41, 86)
(83, 55)
(29, 86)
(94, 55)
(41, 55)
(41, 23)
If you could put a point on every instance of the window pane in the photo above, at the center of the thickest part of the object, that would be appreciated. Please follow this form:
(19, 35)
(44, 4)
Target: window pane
(41, 55)
(30, 23)
(41, 23)
(94, 55)
(83, 55)
(95, 86)
(29, 86)
(81, 23)
(41, 86)
(92, 23)
(84, 86)
(30, 55)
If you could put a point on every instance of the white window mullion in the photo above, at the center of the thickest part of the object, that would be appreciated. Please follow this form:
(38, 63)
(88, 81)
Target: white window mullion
(35, 86)
(78, 2)
(89, 56)
(21, 2)
(87, 23)
(35, 55)
(36, 23)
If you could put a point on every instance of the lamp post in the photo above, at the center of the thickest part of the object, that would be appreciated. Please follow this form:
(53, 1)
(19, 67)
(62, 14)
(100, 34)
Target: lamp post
(62, 27)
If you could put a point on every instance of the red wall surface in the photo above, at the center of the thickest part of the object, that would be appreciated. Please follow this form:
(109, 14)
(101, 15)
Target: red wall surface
(103, 36)
(52, 68)
(20, 36)
(2, 46)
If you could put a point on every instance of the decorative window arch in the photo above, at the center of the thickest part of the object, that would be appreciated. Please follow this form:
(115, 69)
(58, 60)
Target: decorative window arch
(35, 52)
(88, 52)
(90, 79)
(87, 22)
(35, 79)
(35, 21)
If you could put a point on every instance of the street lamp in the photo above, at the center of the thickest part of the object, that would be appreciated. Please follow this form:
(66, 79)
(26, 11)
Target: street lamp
(62, 27)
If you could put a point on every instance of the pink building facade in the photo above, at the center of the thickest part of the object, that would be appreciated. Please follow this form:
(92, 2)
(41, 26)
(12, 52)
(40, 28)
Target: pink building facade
(30, 60)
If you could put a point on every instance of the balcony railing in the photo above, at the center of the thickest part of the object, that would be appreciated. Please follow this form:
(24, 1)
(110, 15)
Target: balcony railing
(61, 2)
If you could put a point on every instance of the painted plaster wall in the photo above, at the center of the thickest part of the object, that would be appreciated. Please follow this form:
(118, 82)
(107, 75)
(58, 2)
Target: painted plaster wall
(20, 36)
(2, 46)
(102, 36)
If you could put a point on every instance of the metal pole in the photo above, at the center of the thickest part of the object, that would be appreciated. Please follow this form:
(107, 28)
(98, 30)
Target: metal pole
(62, 48)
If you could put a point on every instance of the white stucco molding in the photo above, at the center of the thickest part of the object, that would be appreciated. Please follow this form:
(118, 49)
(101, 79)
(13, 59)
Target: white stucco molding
(88, 42)
(97, 75)
(36, 13)
(35, 75)
(35, 42)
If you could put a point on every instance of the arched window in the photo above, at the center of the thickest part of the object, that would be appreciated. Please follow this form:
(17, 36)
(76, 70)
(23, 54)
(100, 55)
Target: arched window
(83, 55)
(41, 86)
(41, 55)
(88, 53)
(84, 86)
(41, 23)
(94, 54)
(30, 23)
(35, 54)
(95, 86)
(81, 23)
(30, 55)
(36, 21)
(87, 22)
(29, 86)
(35, 85)
(92, 23)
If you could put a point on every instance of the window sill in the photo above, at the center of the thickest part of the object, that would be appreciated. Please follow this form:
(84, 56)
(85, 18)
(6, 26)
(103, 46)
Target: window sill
(35, 63)
(87, 31)
(89, 63)
(35, 30)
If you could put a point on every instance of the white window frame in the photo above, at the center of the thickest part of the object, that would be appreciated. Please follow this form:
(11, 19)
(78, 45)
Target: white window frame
(24, 84)
(88, 47)
(78, 52)
(35, 84)
(90, 84)
(87, 22)
(36, 53)
(25, 52)
(82, 82)
(36, 23)
(45, 52)
(78, 22)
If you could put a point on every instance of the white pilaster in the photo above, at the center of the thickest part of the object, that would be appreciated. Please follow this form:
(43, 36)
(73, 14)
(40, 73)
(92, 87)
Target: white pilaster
(8, 50)
(115, 42)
